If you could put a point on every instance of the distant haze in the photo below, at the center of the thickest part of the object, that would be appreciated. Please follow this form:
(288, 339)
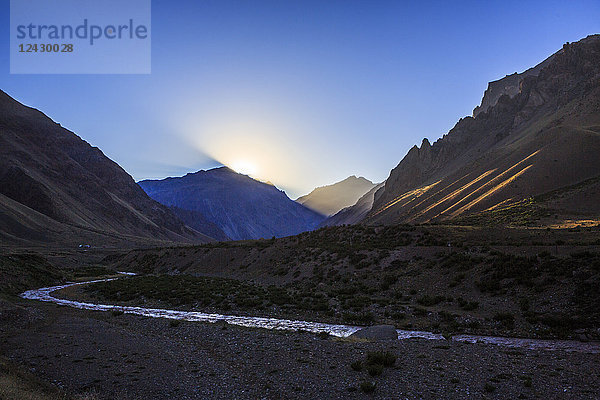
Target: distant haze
(330, 199)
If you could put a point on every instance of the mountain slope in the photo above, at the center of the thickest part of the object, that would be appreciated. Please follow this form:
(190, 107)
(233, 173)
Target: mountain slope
(544, 137)
(197, 220)
(49, 177)
(356, 213)
(240, 206)
(330, 199)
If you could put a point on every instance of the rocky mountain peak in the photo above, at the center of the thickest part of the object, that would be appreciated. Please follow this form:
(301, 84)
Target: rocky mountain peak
(510, 109)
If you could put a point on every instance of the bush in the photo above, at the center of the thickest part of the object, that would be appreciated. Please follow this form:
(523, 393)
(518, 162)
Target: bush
(361, 319)
(430, 301)
(367, 387)
(489, 388)
(356, 365)
(524, 304)
(323, 335)
(419, 312)
(398, 316)
(467, 305)
(375, 369)
(386, 359)
(506, 319)
(388, 280)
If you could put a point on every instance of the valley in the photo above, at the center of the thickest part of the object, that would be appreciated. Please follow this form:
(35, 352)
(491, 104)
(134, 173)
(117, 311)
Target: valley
(140, 356)
(387, 275)
(471, 271)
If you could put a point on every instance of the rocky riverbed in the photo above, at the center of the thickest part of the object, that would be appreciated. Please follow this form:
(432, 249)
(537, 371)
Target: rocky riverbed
(115, 355)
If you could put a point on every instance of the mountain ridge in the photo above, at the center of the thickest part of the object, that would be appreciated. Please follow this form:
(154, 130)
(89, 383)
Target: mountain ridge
(47, 170)
(355, 213)
(508, 151)
(240, 206)
(330, 199)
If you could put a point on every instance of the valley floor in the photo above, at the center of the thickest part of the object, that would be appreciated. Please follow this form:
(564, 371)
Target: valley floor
(107, 356)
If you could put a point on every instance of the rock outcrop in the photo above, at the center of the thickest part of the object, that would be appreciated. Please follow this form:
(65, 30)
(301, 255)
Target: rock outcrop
(376, 332)
(542, 137)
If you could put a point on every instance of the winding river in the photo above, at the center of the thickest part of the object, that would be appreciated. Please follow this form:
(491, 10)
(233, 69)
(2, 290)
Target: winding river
(45, 294)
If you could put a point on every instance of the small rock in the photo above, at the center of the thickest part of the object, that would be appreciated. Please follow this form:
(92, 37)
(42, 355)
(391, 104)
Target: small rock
(377, 332)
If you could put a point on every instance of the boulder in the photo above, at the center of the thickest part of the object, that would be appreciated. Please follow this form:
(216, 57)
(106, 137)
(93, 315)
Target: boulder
(377, 332)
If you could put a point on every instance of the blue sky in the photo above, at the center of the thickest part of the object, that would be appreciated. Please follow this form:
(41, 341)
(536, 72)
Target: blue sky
(301, 93)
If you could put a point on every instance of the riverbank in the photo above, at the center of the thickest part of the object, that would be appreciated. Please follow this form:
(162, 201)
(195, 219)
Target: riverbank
(51, 294)
(134, 357)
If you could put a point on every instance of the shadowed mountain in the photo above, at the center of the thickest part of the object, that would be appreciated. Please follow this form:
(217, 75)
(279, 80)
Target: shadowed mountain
(55, 187)
(197, 220)
(356, 213)
(526, 139)
(240, 206)
(330, 199)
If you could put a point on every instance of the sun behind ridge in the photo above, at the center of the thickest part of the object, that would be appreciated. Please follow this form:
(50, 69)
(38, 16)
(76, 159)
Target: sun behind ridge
(244, 167)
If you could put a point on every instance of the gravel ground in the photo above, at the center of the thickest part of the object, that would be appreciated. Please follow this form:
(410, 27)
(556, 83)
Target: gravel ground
(132, 357)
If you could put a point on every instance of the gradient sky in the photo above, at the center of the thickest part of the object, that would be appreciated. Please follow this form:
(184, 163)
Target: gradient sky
(301, 93)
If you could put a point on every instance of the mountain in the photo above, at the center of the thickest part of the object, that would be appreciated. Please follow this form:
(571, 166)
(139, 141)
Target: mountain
(197, 220)
(55, 187)
(330, 199)
(357, 212)
(240, 206)
(509, 85)
(533, 133)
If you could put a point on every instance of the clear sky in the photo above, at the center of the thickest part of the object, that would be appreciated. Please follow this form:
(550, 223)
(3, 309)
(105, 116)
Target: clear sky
(301, 93)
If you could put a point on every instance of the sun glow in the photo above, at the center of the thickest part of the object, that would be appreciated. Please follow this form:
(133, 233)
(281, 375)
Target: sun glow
(266, 143)
(244, 167)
